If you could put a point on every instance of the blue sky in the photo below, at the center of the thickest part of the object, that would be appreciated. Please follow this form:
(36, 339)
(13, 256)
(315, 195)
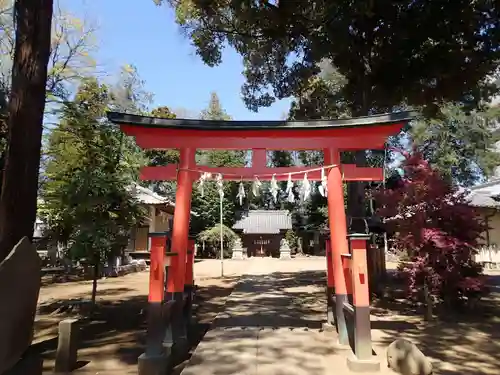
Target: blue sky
(139, 33)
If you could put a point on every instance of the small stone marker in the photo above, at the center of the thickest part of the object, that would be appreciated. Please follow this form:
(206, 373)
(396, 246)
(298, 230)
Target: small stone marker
(67, 346)
(405, 358)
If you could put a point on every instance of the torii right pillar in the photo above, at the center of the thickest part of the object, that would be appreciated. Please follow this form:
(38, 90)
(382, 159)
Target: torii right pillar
(362, 361)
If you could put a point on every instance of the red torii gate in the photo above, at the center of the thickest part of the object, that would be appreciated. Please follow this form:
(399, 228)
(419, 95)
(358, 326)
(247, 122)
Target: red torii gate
(331, 136)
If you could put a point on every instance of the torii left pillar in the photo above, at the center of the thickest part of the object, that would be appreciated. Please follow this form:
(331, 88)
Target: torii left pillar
(330, 288)
(180, 233)
(338, 239)
(154, 359)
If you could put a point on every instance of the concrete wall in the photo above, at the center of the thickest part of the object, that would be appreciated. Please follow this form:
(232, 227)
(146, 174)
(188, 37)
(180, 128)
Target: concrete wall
(492, 236)
(160, 223)
(489, 252)
(141, 239)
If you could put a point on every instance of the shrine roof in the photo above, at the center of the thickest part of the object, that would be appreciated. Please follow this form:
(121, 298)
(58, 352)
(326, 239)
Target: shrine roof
(264, 222)
(486, 195)
(195, 124)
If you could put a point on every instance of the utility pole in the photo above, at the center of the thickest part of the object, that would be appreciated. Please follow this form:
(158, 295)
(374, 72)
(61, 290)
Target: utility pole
(221, 238)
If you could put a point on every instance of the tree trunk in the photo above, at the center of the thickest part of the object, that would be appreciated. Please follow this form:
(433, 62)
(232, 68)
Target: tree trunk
(428, 303)
(94, 283)
(18, 201)
(300, 245)
(356, 190)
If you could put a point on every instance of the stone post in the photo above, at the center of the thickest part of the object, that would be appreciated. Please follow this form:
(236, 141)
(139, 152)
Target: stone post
(67, 346)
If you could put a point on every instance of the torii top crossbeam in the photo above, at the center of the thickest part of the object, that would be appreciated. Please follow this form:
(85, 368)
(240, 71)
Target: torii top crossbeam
(361, 133)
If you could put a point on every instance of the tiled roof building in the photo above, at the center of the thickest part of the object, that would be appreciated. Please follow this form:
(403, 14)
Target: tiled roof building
(262, 231)
(264, 222)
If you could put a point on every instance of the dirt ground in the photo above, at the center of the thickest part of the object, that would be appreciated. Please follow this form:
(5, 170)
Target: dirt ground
(113, 340)
(111, 343)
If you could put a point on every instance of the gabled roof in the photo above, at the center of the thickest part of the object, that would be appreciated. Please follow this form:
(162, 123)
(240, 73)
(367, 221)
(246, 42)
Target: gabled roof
(264, 222)
(486, 195)
(141, 193)
(148, 196)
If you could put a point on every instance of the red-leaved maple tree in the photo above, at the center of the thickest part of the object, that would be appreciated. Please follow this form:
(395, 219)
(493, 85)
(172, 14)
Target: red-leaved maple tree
(440, 232)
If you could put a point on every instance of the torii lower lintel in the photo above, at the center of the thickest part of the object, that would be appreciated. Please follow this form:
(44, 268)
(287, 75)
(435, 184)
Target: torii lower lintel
(350, 173)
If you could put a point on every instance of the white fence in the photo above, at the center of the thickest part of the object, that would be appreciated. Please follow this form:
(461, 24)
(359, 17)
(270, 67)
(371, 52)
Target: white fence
(489, 256)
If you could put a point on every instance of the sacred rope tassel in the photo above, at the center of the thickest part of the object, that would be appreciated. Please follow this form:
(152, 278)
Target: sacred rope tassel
(306, 187)
(220, 185)
(289, 189)
(274, 188)
(241, 193)
(256, 187)
(323, 188)
(201, 182)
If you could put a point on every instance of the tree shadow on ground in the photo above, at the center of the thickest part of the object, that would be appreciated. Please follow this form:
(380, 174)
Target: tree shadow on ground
(278, 316)
(457, 342)
(264, 308)
(63, 305)
(114, 336)
(294, 299)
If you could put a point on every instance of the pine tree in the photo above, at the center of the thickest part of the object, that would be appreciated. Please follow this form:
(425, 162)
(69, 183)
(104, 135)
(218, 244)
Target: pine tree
(162, 157)
(458, 144)
(18, 199)
(208, 205)
(214, 111)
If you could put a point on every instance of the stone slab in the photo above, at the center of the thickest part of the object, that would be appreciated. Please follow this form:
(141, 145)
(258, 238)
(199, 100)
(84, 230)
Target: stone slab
(31, 363)
(21, 268)
(363, 366)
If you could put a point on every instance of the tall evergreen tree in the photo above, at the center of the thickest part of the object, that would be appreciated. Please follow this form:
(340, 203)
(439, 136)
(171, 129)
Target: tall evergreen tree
(18, 199)
(459, 145)
(162, 157)
(87, 193)
(445, 52)
(214, 111)
(208, 205)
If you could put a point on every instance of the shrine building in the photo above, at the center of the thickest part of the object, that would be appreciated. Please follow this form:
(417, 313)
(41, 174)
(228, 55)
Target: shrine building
(261, 231)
